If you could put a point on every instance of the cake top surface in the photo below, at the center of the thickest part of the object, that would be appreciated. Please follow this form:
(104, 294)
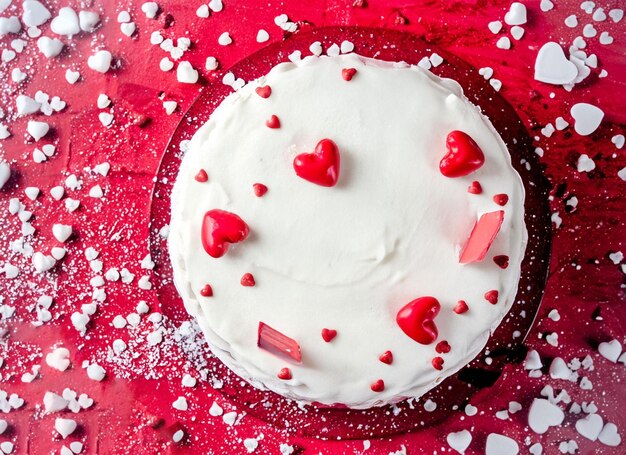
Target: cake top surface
(331, 260)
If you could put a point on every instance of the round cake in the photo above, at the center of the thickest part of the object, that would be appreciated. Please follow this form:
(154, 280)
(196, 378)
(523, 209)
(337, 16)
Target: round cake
(347, 230)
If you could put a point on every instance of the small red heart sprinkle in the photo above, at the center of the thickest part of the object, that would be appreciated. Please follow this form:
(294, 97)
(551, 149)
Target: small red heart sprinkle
(386, 357)
(491, 296)
(247, 280)
(443, 347)
(284, 374)
(501, 199)
(378, 386)
(277, 343)
(464, 155)
(461, 307)
(437, 363)
(501, 261)
(201, 176)
(328, 335)
(259, 189)
(264, 91)
(475, 188)
(273, 122)
(221, 228)
(320, 167)
(206, 291)
(416, 319)
(348, 73)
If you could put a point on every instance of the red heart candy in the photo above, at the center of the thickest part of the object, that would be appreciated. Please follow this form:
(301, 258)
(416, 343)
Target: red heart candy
(501, 199)
(328, 335)
(443, 347)
(416, 319)
(491, 296)
(219, 228)
(348, 73)
(386, 357)
(502, 261)
(248, 280)
(259, 189)
(464, 155)
(273, 122)
(320, 167)
(284, 374)
(461, 307)
(264, 92)
(206, 291)
(201, 176)
(378, 386)
(437, 363)
(475, 188)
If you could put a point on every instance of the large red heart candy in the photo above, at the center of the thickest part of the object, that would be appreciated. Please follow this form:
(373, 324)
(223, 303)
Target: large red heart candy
(320, 167)
(416, 319)
(464, 155)
(219, 229)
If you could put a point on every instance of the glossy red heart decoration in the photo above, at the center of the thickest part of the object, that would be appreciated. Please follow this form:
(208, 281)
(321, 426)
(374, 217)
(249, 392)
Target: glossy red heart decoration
(328, 335)
(416, 319)
(221, 228)
(464, 155)
(320, 167)
(264, 91)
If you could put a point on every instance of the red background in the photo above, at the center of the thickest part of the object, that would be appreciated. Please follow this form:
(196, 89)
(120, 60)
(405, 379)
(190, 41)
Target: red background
(132, 410)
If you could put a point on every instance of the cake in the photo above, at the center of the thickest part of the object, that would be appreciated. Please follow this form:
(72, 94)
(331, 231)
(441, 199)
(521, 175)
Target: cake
(347, 231)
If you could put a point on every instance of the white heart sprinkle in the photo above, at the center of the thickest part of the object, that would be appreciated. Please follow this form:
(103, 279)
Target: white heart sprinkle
(65, 427)
(585, 164)
(18, 75)
(34, 13)
(71, 76)
(459, 441)
(262, 36)
(225, 39)
(552, 67)
(498, 444)
(61, 232)
(590, 426)
(128, 28)
(216, 6)
(57, 192)
(88, 21)
(37, 129)
(186, 74)
(532, 361)
(5, 173)
(610, 350)
(616, 14)
(66, 23)
(587, 118)
(504, 43)
(103, 101)
(100, 61)
(49, 47)
(203, 11)
(605, 38)
(123, 16)
(316, 48)
(516, 14)
(543, 415)
(599, 15)
(105, 118)
(546, 5)
(346, 47)
(618, 140)
(166, 64)
(609, 435)
(571, 21)
(59, 359)
(150, 9)
(517, 32)
(211, 64)
(589, 31)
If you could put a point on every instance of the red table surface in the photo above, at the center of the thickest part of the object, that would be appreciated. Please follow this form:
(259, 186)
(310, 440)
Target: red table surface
(132, 411)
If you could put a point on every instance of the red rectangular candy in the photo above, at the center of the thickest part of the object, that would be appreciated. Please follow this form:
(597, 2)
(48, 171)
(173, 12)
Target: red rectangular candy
(275, 342)
(482, 236)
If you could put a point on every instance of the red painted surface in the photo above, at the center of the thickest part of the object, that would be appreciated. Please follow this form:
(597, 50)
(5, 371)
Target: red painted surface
(133, 410)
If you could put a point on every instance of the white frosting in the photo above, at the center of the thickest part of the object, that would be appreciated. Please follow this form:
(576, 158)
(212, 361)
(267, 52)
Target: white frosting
(347, 257)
